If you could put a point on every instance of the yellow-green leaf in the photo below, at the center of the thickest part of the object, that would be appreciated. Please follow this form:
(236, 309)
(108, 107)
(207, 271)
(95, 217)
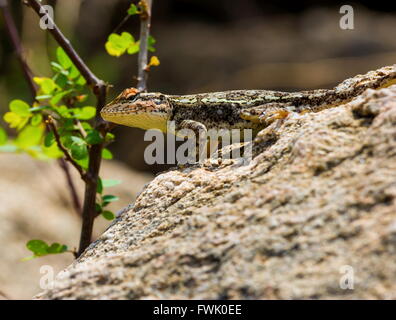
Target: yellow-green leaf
(106, 154)
(63, 58)
(37, 119)
(30, 136)
(116, 44)
(47, 85)
(84, 113)
(20, 107)
(52, 151)
(12, 119)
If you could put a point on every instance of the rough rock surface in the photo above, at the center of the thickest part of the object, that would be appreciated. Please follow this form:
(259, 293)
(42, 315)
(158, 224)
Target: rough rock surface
(318, 196)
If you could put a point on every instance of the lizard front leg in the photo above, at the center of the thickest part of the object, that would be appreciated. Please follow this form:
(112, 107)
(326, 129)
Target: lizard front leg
(267, 113)
(197, 131)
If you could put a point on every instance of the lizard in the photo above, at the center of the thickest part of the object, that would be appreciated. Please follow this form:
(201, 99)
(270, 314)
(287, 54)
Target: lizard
(236, 109)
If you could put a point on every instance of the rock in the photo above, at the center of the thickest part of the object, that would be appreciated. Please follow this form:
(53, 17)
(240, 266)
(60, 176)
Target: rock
(313, 212)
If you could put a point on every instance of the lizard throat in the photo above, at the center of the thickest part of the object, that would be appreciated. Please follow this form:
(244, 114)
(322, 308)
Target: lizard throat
(141, 120)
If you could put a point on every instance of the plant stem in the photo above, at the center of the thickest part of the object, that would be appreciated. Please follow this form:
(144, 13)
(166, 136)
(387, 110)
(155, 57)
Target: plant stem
(95, 153)
(66, 45)
(28, 74)
(75, 199)
(145, 23)
(95, 158)
(51, 125)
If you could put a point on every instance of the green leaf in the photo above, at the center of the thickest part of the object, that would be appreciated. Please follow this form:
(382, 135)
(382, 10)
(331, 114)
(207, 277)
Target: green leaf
(79, 151)
(74, 73)
(59, 96)
(38, 247)
(134, 48)
(81, 81)
(151, 41)
(63, 58)
(86, 126)
(98, 208)
(56, 67)
(39, 108)
(116, 44)
(99, 186)
(49, 139)
(109, 137)
(65, 139)
(108, 215)
(69, 125)
(110, 182)
(47, 85)
(3, 136)
(56, 248)
(52, 152)
(13, 119)
(44, 97)
(93, 137)
(106, 154)
(84, 113)
(61, 80)
(77, 140)
(36, 120)
(109, 198)
(133, 9)
(83, 163)
(63, 111)
(41, 248)
(29, 136)
(19, 107)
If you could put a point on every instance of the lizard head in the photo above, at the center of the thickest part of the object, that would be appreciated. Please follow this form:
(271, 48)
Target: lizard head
(138, 109)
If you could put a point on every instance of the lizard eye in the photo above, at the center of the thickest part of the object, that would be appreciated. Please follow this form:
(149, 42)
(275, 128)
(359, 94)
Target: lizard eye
(157, 101)
(132, 96)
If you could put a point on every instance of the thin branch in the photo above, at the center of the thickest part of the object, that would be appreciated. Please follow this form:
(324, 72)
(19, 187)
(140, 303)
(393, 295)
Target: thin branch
(49, 121)
(126, 18)
(65, 44)
(16, 42)
(95, 152)
(145, 23)
(28, 74)
(95, 159)
(75, 199)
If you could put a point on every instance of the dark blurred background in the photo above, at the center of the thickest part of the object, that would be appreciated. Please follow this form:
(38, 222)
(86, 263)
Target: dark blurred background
(207, 45)
(203, 45)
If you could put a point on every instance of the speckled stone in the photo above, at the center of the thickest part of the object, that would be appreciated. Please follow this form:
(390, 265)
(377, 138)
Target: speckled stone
(319, 194)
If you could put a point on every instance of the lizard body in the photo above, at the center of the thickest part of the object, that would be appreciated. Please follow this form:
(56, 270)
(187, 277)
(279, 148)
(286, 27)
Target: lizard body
(238, 109)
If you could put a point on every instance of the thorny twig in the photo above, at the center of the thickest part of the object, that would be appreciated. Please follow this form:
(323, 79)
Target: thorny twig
(51, 125)
(145, 23)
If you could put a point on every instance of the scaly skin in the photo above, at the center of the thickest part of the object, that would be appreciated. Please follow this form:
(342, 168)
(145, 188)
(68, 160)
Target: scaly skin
(238, 109)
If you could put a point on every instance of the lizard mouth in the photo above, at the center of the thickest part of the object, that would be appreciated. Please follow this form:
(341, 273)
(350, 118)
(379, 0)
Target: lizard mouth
(141, 120)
